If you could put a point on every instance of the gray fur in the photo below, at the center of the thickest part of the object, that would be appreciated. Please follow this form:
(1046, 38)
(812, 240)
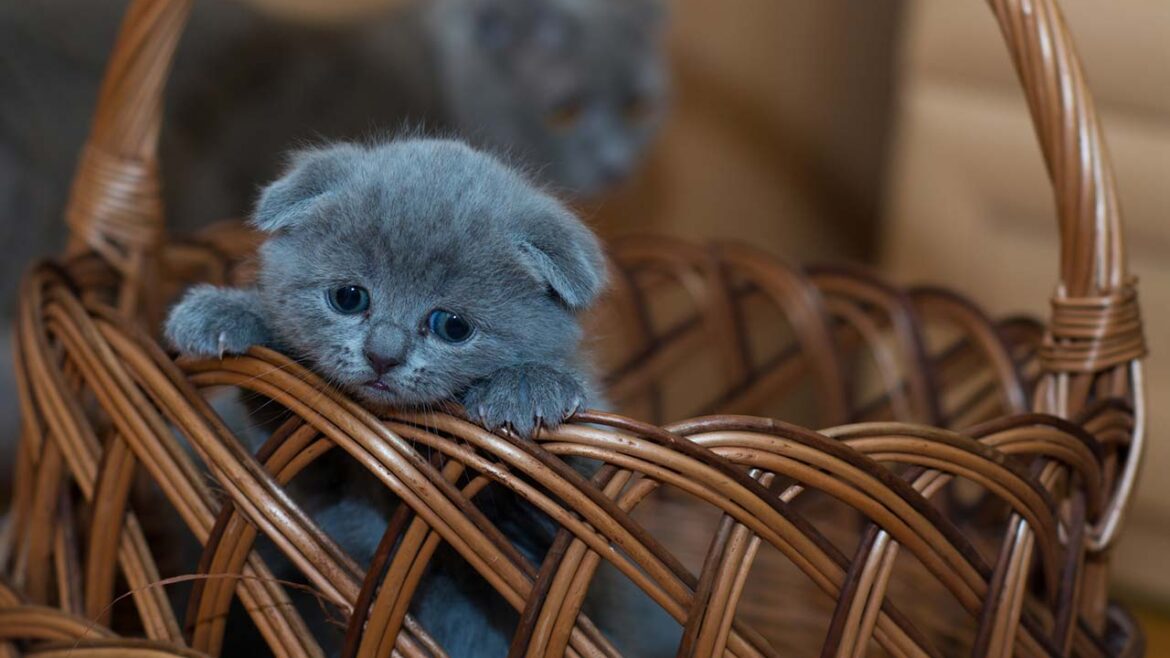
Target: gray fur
(217, 321)
(524, 396)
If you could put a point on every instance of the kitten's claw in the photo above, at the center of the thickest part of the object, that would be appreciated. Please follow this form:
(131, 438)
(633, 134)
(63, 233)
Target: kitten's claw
(212, 322)
(525, 398)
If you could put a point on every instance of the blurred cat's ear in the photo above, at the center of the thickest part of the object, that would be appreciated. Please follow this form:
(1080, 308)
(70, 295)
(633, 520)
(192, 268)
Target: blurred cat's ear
(521, 30)
(310, 175)
(495, 30)
(565, 255)
(552, 31)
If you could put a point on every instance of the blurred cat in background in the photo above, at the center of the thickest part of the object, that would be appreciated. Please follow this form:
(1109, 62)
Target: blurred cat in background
(573, 90)
(576, 87)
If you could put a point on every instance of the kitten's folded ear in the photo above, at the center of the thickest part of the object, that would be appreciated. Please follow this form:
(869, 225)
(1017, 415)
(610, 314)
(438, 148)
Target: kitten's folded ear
(494, 29)
(514, 29)
(310, 175)
(565, 255)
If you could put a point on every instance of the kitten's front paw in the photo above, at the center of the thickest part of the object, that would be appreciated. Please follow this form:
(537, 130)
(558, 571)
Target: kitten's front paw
(525, 397)
(212, 321)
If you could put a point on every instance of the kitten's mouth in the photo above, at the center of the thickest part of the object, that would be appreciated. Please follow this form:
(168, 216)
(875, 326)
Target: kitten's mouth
(378, 385)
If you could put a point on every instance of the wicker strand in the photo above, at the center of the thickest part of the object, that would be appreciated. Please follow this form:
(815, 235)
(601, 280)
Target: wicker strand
(1091, 334)
(115, 204)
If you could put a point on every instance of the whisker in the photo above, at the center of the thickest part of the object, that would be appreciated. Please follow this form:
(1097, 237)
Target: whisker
(268, 372)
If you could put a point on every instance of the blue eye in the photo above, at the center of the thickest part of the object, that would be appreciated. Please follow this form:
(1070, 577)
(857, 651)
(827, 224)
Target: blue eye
(449, 326)
(349, 300)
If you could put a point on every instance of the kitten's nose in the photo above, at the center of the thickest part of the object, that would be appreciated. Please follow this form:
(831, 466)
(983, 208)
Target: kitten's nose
(613, 173)
(382, 363)
(614, 164)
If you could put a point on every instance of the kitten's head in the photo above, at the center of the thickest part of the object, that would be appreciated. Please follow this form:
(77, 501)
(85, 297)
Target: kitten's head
(575, 87)
(405, 271)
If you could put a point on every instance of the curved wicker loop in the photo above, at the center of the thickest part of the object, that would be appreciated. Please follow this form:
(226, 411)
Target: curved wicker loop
(985, 338)
(1101, 535)
(89, 346)
(872, 302)
(705, 273)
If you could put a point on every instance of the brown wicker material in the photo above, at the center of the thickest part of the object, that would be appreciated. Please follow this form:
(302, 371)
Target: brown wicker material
(963, 499)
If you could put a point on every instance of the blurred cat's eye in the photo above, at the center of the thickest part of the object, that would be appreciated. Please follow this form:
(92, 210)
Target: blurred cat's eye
(636, 108)
(349, 300)
(566, 114)
(448, 326)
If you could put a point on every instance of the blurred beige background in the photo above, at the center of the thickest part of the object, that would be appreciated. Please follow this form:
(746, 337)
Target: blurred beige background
(779, 130)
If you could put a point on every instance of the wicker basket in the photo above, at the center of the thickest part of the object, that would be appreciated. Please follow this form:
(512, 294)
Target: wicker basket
(963, 499)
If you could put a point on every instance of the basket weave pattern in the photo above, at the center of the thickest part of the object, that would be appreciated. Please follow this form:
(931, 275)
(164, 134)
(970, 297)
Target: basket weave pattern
(963, 498)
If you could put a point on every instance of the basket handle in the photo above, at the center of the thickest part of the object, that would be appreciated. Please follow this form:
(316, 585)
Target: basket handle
(115, 205)
(1095, 324)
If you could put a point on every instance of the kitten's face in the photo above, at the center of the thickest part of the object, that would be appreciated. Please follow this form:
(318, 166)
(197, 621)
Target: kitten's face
(577, 89)
(406, 281)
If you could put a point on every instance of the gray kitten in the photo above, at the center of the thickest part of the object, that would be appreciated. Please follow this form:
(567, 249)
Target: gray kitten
(414, 272)
(410, 273)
